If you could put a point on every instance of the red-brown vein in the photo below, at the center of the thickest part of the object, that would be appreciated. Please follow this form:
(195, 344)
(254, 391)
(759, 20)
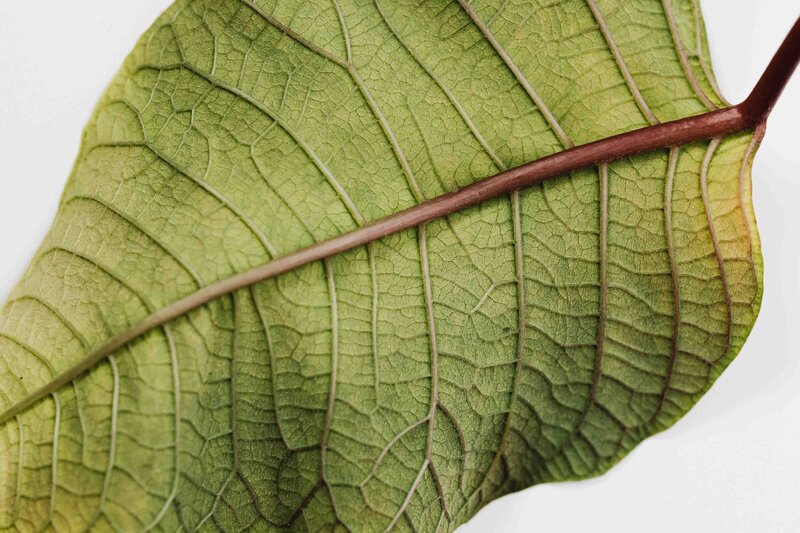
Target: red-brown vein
(747, 115)
(673, 264)
(712, 147)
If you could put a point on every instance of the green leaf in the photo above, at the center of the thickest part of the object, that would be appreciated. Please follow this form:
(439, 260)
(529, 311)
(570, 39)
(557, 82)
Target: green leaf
(406, 383)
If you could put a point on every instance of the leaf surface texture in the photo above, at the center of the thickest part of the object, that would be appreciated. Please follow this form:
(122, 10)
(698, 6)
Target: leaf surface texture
(405, 384)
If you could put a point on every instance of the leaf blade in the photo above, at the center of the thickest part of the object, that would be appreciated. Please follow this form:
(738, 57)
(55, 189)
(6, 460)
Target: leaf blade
(302, 294)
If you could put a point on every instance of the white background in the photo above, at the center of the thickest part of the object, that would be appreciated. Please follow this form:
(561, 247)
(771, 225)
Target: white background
(732, 464)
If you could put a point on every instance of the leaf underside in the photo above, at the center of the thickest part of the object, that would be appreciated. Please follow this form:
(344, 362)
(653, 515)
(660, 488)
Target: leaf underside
(404, 384)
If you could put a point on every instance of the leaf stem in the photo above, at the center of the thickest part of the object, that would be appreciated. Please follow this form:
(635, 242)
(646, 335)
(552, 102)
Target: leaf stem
(750, 114)
(762, 99)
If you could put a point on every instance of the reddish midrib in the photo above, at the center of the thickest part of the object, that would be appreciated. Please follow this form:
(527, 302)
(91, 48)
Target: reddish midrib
(747, 115)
